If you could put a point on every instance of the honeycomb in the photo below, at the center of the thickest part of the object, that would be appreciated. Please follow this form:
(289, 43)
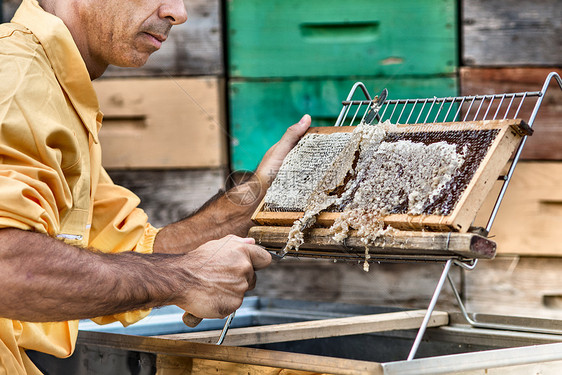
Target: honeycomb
(375, 171)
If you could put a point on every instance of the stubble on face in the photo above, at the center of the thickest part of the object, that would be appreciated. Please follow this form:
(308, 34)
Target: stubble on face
(150, 36)
(121, 33)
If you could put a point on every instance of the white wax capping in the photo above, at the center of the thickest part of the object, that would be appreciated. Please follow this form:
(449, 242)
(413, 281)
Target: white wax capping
(302, 170)
(373, 177)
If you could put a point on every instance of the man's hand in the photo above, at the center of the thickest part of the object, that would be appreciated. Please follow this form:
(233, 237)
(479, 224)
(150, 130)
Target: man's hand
(222, 271)
(272, 160)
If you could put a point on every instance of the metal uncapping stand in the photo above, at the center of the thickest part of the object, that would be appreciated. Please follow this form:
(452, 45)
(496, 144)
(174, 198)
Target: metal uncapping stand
(462, 108)
(507, 179)
(442, 110)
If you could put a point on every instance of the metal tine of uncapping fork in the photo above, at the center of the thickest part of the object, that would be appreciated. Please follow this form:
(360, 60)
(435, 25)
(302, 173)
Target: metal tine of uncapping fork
(276, 254)
(225, 328)
(375, 107)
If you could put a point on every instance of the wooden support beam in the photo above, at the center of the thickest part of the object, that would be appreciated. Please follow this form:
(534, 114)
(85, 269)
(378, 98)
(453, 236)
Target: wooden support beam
(317, 328)
(468, 245)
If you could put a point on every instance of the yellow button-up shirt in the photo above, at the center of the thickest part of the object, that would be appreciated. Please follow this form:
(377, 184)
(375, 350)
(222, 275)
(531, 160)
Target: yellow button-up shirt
(51, 178)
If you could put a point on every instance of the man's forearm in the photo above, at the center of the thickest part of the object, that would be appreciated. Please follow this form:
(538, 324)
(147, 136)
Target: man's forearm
(230, 213)
(44, 279)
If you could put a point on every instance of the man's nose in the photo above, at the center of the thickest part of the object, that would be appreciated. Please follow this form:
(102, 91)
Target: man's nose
(173, 10)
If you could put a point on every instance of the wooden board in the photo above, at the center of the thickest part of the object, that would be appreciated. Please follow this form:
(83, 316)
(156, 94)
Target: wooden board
(317, 328)
(401, 245)
(547, 137)
(328, 38)
(470, 200)
(162, 123)
(404, 285)
(259, 357)
(511, 32)
(530, 216)
(173, 365)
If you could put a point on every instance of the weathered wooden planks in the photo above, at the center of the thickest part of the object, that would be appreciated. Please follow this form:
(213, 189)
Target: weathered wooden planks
(516, 285)
(512, 32)
(546, 140)
(317, 328)
(407, 285)
(162, 123)
(191, 366)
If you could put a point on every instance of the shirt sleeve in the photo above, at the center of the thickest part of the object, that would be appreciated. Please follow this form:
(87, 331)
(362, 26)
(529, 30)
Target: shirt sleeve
(119, 225)
(36, 150)
(117, 222)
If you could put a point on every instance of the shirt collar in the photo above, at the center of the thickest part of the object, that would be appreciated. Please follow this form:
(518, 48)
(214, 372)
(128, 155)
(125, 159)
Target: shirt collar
(65, 58)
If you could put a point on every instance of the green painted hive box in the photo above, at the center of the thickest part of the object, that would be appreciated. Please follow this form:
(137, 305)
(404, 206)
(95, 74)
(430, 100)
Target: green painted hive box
(295, 38)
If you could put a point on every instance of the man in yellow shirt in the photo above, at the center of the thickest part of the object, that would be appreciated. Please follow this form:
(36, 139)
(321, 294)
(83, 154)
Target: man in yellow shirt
(72, 244)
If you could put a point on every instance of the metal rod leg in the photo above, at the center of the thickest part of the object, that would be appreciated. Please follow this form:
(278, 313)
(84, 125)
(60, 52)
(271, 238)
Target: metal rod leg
(504, 327)
(460, 302)
(430, 309)
(225, 328)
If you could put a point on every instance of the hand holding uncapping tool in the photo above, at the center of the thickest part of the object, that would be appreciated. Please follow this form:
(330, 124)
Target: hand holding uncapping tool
(225, 270)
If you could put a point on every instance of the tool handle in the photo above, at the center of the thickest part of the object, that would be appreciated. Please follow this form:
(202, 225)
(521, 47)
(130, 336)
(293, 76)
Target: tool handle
(191, 320)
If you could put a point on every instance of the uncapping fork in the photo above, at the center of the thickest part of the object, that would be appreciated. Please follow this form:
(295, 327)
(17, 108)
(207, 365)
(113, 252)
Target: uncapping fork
(276, 254)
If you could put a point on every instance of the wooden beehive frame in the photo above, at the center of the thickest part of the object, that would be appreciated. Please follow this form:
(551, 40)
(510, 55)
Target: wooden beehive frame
(460, 219)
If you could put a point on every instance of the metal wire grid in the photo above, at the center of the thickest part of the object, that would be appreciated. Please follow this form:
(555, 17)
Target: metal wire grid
(434, 110)
(451, 109)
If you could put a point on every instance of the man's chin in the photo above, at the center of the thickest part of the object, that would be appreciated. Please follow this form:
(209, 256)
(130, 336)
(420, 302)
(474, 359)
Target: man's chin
(135, 61)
